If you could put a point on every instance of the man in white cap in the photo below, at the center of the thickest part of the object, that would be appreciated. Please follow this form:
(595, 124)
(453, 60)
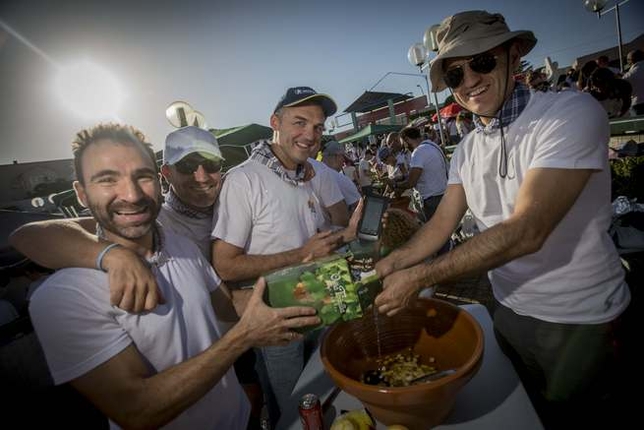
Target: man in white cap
(538, 185)
(170, 367)
(192, 166)
(269, 217)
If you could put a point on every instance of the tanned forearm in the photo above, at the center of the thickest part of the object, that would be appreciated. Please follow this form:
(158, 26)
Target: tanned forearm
(57, 244)
(249, 267)
(156, 400)
(492, 248)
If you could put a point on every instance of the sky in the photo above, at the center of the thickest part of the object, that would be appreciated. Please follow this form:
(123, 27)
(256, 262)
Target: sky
(232, 60)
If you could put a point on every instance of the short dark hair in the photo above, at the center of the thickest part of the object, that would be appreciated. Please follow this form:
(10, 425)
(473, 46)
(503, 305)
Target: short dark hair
(636, 55)
(119, 133)
(410, 133)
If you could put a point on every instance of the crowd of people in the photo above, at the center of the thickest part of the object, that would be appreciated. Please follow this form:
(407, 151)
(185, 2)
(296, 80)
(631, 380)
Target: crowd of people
(620, 94)
(156, 310)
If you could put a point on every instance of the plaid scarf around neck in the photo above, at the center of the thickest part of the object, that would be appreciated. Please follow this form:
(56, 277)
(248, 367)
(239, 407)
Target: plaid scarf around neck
(175, 203)
(263, 154)
(510, 110)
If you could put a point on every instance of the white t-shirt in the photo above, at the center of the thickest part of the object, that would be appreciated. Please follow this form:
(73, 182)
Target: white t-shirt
(79, 329)
(263, 214)
(364, 167)
(433, 179)
(196, 229)
(635, 76)
(576, 277)
(325, 187)
(348, 188)
(350, 171)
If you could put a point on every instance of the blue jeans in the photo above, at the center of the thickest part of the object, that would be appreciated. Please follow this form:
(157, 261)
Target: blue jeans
(284, 364)
(279, 369)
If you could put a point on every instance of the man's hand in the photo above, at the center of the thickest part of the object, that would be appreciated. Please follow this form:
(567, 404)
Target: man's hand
(385, 267)
(265, 326)
(320, 245)
(133, 287)
(399, 290)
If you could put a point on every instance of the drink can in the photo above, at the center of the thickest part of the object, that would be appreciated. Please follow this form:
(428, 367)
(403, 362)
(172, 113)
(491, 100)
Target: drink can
(311, 412)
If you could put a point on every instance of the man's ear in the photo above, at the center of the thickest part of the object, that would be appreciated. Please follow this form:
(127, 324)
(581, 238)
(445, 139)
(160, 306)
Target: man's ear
(80, 193)
(515, 57)
(166, 171)
(275, 122)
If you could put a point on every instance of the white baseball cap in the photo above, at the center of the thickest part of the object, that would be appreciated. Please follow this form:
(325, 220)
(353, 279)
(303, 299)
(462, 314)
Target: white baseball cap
(188, 140)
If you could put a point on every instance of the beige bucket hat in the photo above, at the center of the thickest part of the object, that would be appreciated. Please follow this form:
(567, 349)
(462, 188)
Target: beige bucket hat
(470, 33)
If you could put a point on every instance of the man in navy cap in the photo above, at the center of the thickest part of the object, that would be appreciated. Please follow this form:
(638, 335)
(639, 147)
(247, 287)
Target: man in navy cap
(269, 215)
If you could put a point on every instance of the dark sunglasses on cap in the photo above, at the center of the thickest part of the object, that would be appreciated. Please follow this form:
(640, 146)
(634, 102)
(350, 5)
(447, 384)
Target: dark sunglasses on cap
(482, 63)
(188, 166)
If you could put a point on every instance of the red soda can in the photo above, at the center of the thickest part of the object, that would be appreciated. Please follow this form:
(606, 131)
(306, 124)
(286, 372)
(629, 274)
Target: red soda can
(311, 412)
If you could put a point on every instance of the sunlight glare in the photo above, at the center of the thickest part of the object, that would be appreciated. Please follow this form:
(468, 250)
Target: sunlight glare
(89, 90)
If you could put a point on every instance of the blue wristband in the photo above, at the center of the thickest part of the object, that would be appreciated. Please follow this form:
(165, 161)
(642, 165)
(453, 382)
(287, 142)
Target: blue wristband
(99, 259)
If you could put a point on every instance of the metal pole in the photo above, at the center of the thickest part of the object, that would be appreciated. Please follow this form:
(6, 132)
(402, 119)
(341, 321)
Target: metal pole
(440, 121)
(438, 113)
(619, 38)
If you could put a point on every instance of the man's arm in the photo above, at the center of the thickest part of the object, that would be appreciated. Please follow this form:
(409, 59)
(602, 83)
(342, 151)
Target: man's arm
(72, 243)
(339, 213)
(232, 264)
(431, 236)
(124, 389)
(544, 198)
(59, 243)
(412, 179)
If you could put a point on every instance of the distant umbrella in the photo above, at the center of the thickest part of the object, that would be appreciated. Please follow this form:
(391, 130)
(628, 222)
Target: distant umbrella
(449, 111)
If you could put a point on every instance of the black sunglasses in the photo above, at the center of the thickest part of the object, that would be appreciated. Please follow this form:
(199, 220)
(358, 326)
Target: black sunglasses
(188, 166)
(482, 63)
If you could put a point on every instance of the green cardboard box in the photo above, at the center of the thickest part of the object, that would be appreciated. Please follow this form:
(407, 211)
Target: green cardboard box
(325, 284)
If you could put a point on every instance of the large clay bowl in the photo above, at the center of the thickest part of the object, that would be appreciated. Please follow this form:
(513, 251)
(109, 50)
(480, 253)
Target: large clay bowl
(432, 328)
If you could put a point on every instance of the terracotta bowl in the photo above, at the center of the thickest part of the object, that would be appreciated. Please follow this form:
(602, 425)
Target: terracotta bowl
(432, 328)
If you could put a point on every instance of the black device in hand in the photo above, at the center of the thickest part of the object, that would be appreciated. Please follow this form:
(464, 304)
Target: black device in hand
(371, 222)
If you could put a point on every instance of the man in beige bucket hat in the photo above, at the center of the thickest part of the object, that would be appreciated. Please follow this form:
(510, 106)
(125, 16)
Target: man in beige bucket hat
(535, 175)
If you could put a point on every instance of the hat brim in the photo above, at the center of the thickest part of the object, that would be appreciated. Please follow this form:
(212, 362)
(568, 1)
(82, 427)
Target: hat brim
(328, 104)
(525, 39)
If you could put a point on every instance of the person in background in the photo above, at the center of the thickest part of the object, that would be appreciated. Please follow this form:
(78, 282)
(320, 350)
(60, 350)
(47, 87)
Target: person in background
(350, 171)
(327, 191)
(463, 124)
(334, 156)
(537, 80)
(268, 217)
(584, 75)
(171, 366)
(538, 185)
(613, 93)
(366, 171)
(392, 175)
(604, 63)
(401, 168)
(428, 171)
(635, 77)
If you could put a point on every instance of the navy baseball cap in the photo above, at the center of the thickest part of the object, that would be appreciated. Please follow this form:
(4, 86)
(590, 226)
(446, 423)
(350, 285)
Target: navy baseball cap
(298, 95)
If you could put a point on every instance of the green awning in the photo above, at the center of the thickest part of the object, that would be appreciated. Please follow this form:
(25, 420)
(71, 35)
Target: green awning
(235, 143)
(371, 129)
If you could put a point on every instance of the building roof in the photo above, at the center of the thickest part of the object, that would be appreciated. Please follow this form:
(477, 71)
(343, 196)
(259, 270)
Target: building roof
(371, 100)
